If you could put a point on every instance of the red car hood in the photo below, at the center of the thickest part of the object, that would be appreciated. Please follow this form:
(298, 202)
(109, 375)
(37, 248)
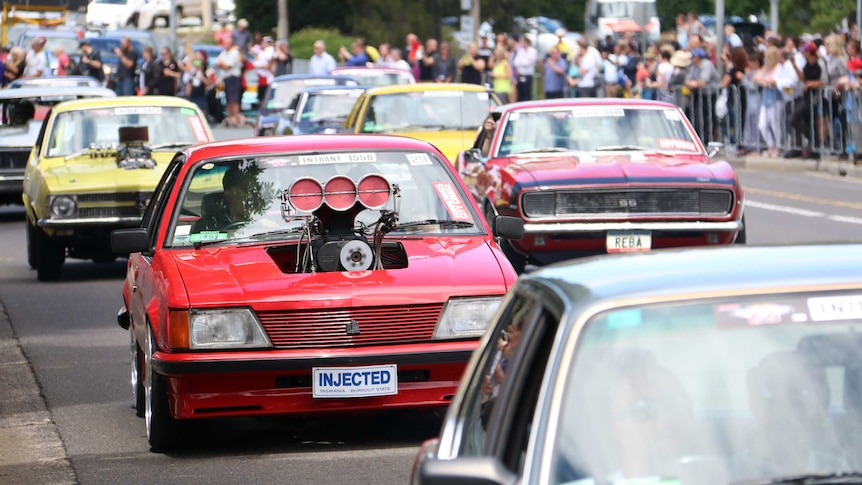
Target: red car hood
(543, 170)
(437, 268)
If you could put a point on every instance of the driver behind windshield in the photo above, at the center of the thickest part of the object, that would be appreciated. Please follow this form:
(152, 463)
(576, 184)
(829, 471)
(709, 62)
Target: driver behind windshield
(242, 199)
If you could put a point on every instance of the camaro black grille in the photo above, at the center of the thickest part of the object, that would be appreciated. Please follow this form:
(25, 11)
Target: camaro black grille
(687, 202)
(349, 327)
(14, 158)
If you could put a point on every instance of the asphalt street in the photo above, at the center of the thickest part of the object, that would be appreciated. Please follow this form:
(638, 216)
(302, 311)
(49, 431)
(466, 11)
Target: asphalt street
(65, 408)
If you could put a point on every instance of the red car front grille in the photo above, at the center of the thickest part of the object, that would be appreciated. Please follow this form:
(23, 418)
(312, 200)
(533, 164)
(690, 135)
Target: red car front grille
(333, 327)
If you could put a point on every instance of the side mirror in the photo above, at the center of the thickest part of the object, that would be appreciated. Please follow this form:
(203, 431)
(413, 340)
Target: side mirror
(473, 155)
(288, 113)
(508, 227)
(714, 147)
(481, 470)
(126, 241)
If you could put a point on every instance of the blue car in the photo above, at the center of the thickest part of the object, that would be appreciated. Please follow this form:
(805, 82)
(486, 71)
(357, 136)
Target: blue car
(282, 94)
(319, 110)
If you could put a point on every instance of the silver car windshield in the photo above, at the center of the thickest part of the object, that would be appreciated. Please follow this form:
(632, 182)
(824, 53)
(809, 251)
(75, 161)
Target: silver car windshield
(735, 390)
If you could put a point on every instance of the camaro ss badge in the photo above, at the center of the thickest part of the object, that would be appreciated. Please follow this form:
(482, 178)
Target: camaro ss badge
(352, 327)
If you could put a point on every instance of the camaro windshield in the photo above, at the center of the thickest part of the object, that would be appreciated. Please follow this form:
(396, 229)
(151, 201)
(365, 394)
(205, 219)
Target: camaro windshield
(75, 131)
(215, 207)
(595, 128)
(427, 111)
(724, 391)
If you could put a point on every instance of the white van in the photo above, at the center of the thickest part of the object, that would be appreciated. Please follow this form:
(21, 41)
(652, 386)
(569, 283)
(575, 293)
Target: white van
(113, 13)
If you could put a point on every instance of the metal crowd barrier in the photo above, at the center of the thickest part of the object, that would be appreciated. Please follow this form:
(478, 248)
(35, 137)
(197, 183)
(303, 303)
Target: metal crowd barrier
(824, 121)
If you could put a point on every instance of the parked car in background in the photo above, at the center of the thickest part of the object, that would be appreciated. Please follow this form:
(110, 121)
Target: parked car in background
(706, 365)
(282, 94)
(23, 110)
(375, 76)
(392, 277)
(94, 167)
(591, 176)
(319, 110)
(112, 13)
(446, 115)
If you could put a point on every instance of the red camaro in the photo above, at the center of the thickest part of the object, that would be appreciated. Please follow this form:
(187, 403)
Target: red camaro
(590, 176)
(294, 275)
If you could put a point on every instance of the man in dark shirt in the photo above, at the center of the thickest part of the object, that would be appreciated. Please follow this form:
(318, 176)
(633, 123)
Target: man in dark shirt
(813, 77)
(91, 61)
(125, 74)
(471, 66)
(428, 63)
(169, 73)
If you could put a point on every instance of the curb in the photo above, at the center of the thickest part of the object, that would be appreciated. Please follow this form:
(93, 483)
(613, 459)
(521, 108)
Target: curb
(31, 450)
(841, 168)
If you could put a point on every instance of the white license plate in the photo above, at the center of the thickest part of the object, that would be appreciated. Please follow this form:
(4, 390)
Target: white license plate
(628, 241)
(341, 382)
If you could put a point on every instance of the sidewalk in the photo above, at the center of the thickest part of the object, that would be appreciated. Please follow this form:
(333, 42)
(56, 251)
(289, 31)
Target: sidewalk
(831, 165)
(31, 450)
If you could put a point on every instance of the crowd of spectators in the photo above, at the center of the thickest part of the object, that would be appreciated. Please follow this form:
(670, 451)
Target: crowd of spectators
(771, 79)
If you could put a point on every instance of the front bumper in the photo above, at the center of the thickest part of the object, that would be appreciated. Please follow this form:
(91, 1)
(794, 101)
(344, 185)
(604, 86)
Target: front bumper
(591, 227)
(119, 222)
(233, 384)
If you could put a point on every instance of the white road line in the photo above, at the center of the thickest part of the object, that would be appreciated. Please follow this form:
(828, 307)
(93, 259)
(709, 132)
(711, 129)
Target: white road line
(783, 208)
(848, 219)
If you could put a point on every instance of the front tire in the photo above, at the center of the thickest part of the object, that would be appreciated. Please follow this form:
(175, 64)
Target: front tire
(32, 260)
(163, 431)
(138, 392)
(50, 257)
(741, 235)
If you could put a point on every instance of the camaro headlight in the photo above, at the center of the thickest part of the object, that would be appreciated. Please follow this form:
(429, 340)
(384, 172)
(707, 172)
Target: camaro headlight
(226, 329)
(106, 69)
(63, 206)
(466, 317)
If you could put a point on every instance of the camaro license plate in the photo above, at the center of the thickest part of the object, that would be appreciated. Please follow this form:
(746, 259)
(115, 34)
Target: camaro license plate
(628, 241)
(341, 382)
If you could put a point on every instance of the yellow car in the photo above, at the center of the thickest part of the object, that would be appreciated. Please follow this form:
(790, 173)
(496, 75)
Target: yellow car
(445, 115)
(94, 168)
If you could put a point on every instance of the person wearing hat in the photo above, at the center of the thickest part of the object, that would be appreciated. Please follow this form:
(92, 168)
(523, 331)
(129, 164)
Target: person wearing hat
(91, 61)
(564, 48)
(262, 62)
(242, 38)
(703, 80)
(37, 59)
